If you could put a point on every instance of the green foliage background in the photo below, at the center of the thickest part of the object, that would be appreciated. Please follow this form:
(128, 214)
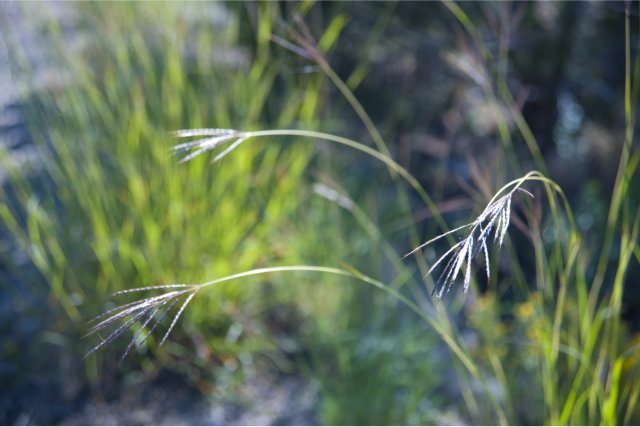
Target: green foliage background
(104, 206)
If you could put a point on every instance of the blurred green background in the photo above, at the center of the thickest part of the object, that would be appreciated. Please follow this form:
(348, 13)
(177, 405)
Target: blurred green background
(93, 202)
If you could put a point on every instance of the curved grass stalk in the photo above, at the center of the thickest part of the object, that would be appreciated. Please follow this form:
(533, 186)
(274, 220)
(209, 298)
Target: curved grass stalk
(217, 137)
(129, 314)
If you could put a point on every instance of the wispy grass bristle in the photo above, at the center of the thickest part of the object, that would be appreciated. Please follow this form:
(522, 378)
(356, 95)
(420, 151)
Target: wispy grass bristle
(151, 288)
(176, 317)
(150, 317)
(150, 331)
(187, 133)
(115, 334)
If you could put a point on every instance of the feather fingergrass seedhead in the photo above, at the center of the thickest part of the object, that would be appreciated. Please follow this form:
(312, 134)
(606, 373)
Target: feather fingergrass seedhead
(494, 218)
(150, 311)
(214, 138)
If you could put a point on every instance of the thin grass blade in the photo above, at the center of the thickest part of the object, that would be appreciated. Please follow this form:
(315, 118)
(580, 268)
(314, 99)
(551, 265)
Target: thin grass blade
(175, 319)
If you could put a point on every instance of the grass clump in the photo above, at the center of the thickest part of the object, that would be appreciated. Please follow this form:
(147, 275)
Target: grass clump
(109, 205)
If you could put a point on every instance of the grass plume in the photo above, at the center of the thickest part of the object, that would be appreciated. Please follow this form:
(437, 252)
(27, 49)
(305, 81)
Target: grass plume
(495, 217)
(149, 310)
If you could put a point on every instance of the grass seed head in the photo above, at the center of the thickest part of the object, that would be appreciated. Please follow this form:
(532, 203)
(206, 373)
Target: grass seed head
(494, 218)
(149, 310)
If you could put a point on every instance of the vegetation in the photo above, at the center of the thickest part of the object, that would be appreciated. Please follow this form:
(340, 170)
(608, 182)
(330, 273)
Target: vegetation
(535, 330)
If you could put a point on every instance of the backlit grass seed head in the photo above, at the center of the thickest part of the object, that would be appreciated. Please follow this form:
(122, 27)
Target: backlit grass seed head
(214, 139)
(150, 311)
(494, 218)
